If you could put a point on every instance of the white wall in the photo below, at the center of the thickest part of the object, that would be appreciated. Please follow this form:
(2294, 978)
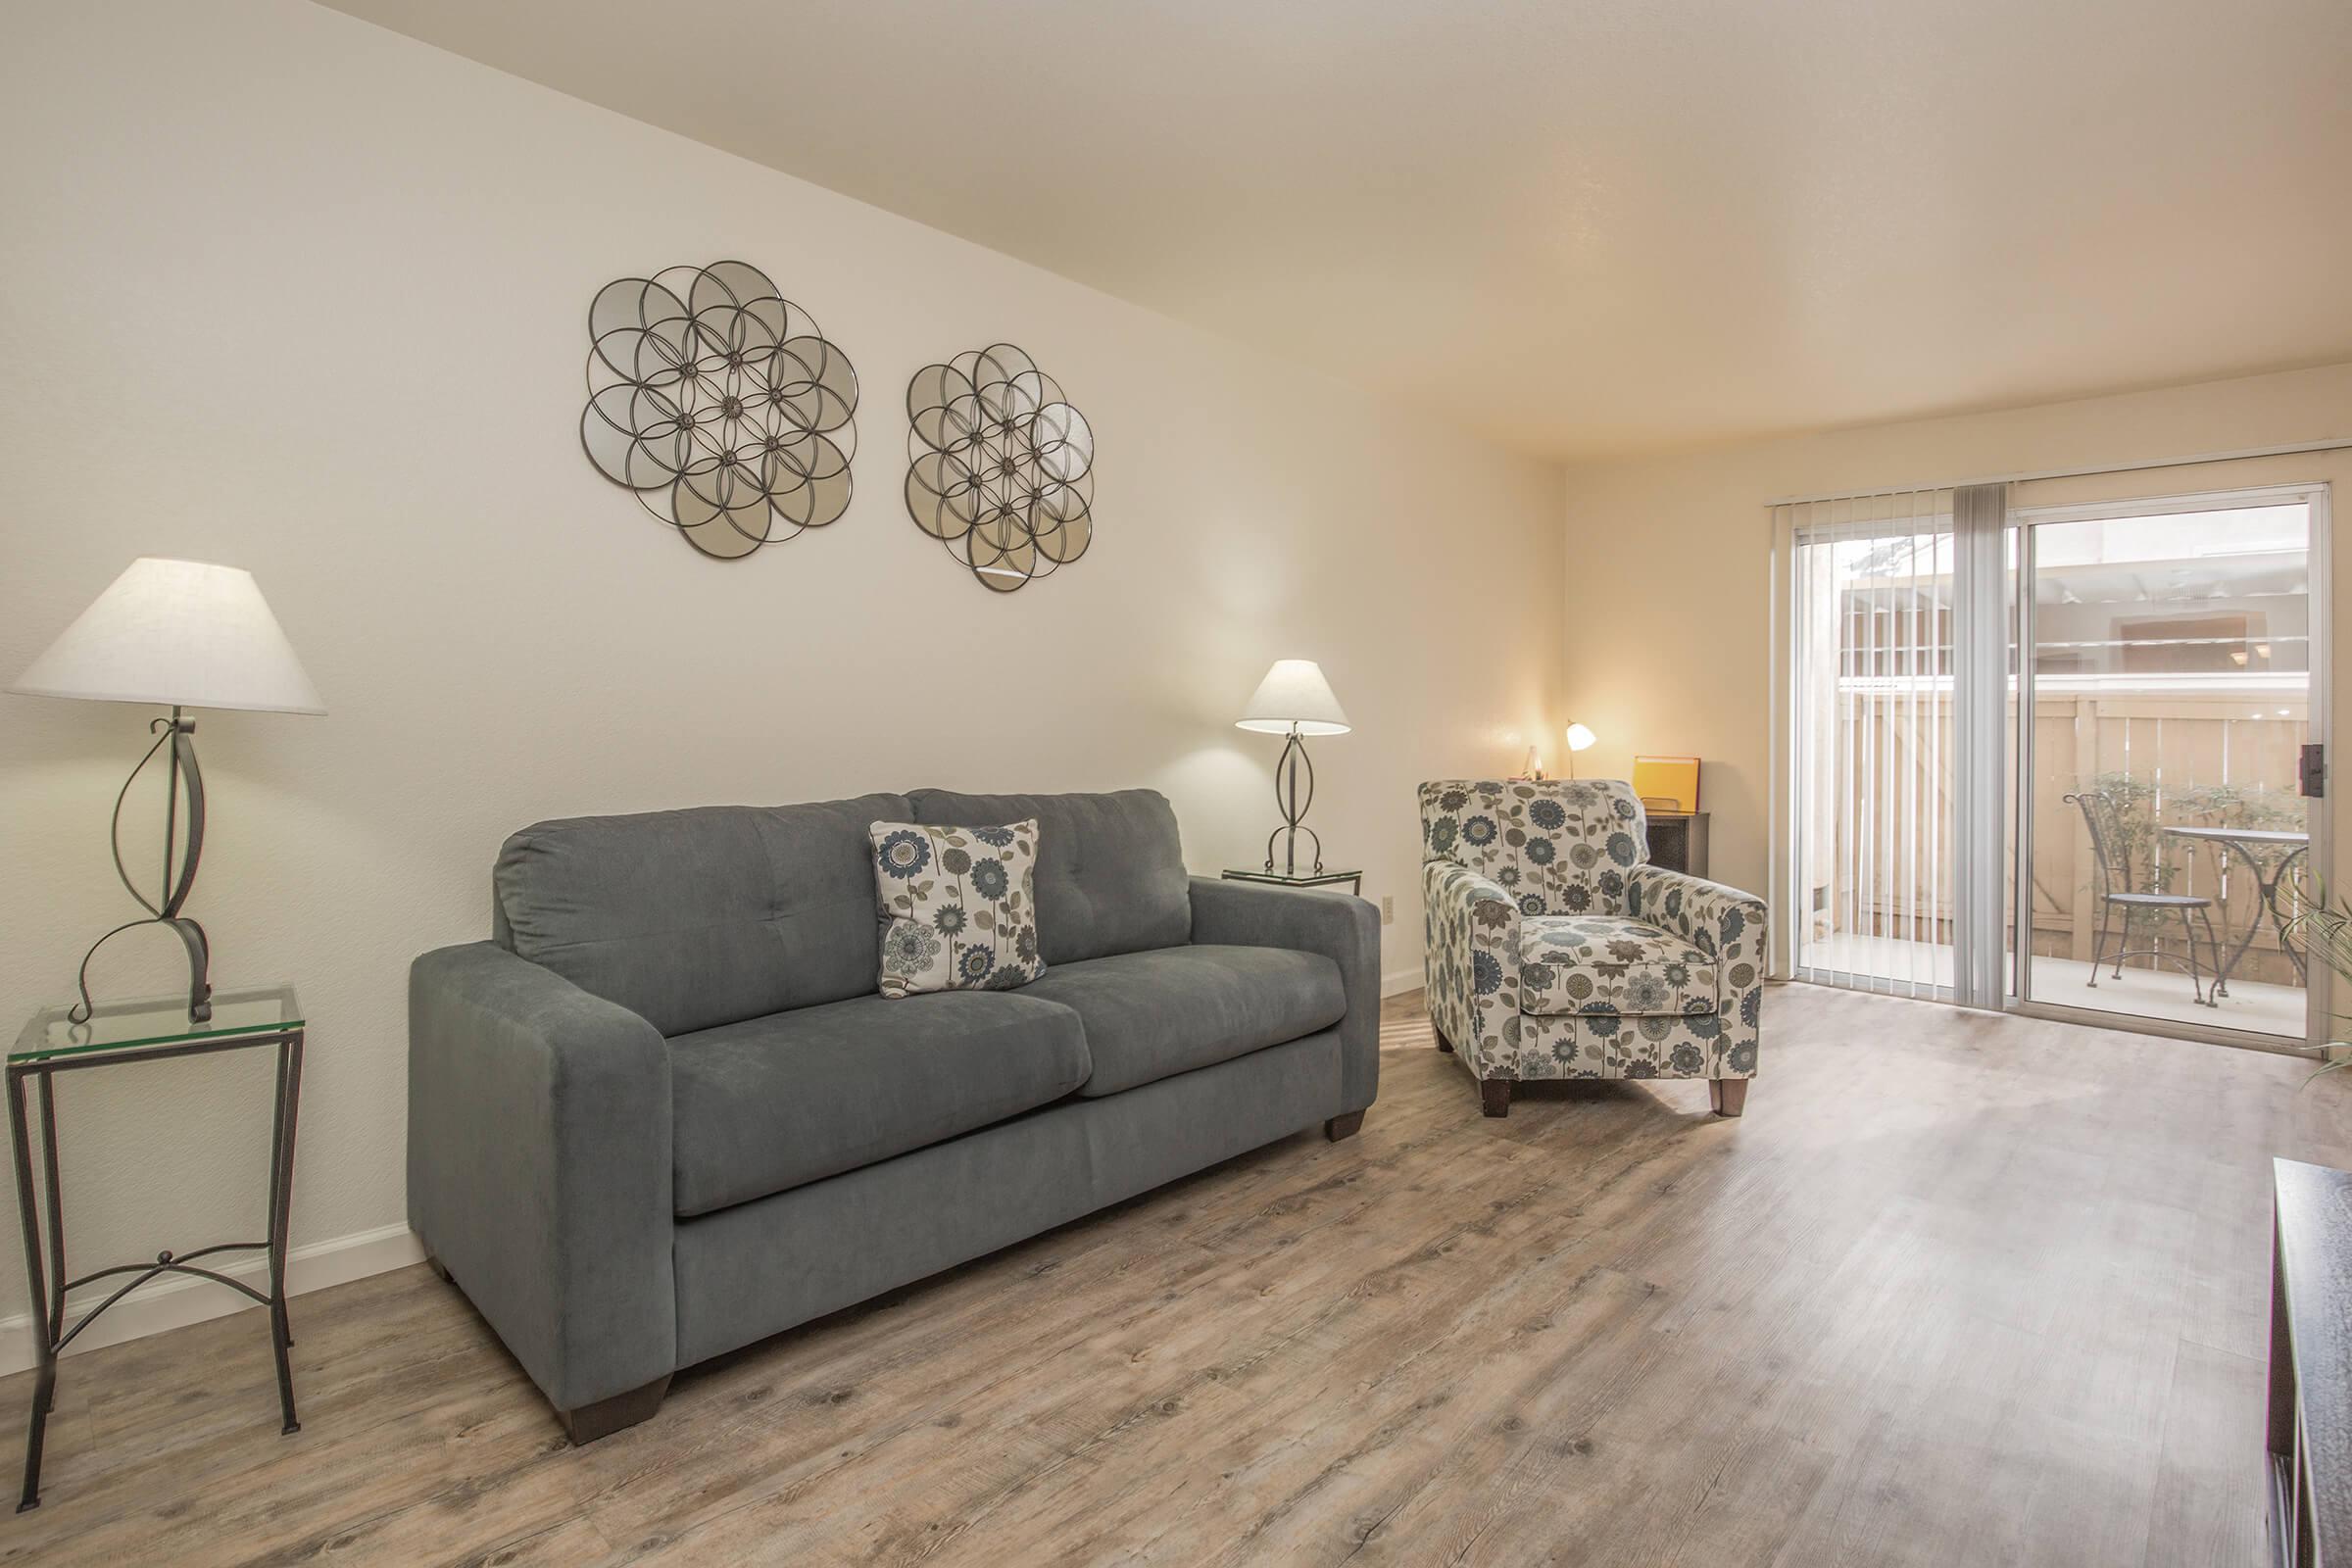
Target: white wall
(1668, 630)
(289, 292)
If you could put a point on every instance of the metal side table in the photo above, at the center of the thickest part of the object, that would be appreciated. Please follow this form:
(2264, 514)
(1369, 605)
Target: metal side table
(122, 1034)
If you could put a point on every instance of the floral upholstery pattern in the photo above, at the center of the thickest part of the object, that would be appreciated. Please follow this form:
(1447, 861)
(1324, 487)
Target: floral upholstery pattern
(1728, 925)
(1473, 982)
(1556, 847)
(1556, 950)
(957, 906)
(1607, 965)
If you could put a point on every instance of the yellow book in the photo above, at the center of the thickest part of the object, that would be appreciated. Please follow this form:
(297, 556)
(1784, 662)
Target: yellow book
(1667, 783)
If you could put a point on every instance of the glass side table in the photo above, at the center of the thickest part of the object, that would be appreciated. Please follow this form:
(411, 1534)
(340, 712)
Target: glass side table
(122, 1034)
(1317, 878)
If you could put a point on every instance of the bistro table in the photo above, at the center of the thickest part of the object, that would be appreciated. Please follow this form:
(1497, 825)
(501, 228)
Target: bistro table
(2255, 847)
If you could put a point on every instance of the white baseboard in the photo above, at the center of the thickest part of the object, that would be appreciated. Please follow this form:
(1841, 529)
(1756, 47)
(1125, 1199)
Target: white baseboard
(178, 1299)
(1398, 981)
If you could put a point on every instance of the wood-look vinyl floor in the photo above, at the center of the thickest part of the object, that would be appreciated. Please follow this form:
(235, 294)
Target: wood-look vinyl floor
(1958, 1289)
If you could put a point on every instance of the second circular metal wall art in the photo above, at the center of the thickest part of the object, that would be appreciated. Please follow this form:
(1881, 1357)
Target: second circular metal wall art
(719, 403)
(1000, 466)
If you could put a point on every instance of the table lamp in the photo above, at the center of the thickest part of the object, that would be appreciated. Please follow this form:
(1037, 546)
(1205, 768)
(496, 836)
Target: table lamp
(1579, 739)
(174, 634)
(1295, 701)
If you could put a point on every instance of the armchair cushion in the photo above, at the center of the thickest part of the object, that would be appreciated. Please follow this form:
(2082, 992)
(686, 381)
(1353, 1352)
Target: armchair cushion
(1605, 964)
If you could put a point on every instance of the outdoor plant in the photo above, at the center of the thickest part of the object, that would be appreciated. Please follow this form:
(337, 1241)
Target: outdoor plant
(2322, 929)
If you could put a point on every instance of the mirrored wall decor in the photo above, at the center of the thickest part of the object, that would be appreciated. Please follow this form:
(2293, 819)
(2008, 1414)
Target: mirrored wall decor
(1000, 466)
(720, 405)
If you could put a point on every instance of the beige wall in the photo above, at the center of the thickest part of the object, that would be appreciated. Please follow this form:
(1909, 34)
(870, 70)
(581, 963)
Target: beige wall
(292, 293)
(1668, 636)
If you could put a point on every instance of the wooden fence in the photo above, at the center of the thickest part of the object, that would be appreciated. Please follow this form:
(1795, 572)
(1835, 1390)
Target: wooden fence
(2176, 756)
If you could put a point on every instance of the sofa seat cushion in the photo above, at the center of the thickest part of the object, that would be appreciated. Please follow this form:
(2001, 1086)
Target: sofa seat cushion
(1604, 964)
(1153, 1014)
(772, 1103)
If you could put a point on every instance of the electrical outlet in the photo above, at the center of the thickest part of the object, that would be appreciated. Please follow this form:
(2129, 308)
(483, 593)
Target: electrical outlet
(1388, 908)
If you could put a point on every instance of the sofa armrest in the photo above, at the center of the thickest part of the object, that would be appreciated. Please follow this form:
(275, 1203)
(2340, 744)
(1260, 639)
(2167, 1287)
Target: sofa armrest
(1340, 926)
(1728, 925)
(1473, 973)
(539, 1167)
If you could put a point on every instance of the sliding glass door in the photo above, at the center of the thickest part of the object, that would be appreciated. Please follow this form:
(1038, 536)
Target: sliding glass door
(2109, 826)
(2172, 690)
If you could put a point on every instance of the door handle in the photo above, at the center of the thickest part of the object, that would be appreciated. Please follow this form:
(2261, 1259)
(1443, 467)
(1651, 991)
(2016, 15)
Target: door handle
(2311, 771)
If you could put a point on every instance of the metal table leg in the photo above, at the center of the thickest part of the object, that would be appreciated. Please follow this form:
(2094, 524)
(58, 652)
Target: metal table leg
(2266, 895)
(281, 1206)
(36, 1283)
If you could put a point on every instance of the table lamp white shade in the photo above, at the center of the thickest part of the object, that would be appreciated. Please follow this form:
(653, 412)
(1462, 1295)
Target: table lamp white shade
(1294, 694)
(1580, 738)
(176, 634)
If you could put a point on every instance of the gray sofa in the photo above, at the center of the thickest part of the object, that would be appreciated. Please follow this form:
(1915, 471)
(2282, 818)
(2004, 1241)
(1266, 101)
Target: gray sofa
(665, 1113)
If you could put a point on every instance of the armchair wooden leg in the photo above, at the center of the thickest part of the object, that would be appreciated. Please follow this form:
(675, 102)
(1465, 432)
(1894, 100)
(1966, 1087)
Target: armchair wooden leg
(1444, 1044)
(1339, 1127)
(1495, 1096)
(1730, 1094)
(440, 1272)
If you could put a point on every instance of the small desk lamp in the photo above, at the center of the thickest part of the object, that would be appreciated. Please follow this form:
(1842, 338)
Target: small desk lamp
(174, 634)
(1580, 739)
(1294, 700)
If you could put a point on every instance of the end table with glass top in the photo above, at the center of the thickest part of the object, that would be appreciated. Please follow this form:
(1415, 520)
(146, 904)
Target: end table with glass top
(125, 1034)
(1316, 878)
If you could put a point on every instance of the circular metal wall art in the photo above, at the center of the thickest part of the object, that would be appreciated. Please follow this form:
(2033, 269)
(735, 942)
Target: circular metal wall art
(1000, 466)
(718, 404)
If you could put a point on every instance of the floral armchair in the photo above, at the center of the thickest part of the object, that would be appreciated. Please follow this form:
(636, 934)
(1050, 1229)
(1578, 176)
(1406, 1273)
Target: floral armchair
(1556, 950)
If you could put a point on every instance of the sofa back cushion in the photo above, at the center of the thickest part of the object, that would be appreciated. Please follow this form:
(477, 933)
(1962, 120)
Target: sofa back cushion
(1558, 846)
(1110, 874)
(701, 918)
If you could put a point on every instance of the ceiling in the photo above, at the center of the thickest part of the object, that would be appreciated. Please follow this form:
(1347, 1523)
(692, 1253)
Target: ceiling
(1578, 228)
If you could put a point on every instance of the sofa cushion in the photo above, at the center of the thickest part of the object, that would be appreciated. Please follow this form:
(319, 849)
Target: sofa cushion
(769, 1103)
(1153, 1014)
(700, 918)
(1604, 964)
(1110, 874)
(958, 906)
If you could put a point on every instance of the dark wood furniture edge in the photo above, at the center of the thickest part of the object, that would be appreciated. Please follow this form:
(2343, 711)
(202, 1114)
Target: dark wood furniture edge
(2310, 1406)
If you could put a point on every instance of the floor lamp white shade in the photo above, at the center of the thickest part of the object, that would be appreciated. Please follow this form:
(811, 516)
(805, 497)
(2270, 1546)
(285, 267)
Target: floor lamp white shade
(176, 634)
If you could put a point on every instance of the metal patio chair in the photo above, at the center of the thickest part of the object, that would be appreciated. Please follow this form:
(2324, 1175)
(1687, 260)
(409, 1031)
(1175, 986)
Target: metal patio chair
(2102, 815)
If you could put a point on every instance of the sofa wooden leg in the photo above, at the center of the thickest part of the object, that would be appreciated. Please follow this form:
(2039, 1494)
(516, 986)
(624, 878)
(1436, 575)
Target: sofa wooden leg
(1495, 1096)
(1444, 1044)
(606, 1416)
(1339, 1127)
(440, 1269)
(1730, 1094)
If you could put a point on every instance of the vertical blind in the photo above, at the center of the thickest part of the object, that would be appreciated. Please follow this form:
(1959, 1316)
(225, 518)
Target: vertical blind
(1893, 607)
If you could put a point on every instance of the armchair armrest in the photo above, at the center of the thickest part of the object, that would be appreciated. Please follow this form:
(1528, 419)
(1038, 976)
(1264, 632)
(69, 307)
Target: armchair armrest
(539, 1167)
(1473, 974)
(1340, 926)
(1725, 923)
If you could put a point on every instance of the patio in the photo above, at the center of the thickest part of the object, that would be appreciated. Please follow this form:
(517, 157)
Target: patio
(2251, 1005)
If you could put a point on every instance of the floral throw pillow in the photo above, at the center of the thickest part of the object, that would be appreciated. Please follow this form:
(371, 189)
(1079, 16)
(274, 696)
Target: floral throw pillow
(957, 906)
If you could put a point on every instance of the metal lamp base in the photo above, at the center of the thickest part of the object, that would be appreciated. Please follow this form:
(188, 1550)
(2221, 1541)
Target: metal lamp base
(1294, 807)
(177, 738)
